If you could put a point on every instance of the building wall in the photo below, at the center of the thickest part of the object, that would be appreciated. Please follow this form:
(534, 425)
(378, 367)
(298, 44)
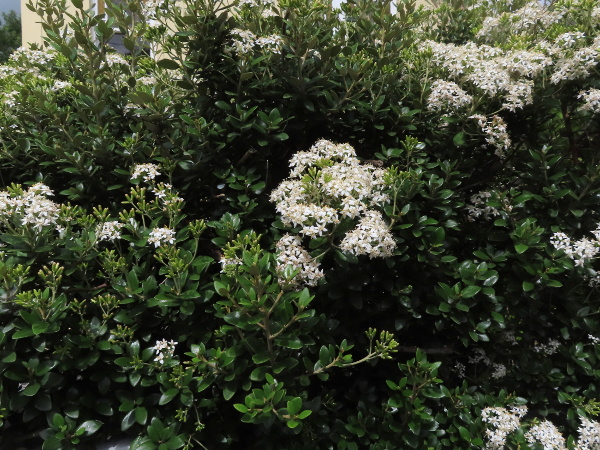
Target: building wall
(32, 31)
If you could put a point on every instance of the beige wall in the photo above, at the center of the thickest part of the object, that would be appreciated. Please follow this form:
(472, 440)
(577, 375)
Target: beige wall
(32, 28)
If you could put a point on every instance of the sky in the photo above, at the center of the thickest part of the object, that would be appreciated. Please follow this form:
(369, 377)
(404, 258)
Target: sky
(7, 5)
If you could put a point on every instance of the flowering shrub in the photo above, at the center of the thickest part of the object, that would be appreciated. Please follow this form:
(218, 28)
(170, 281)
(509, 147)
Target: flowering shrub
(276, 225)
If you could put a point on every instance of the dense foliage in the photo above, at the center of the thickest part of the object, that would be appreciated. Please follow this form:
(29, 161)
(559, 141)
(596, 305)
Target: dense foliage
(277, 225)
(10, 34)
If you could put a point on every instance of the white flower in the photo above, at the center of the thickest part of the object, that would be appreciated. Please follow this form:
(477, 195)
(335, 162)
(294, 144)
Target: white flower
(147, 81)
(591, 99)
(109, 231)
(159, 236)
(164, 350)
(371, 237)
(546, 434)
(291, 253)
(327, 184)
(519, 95)
(23, 54)
(447, 96)
(503, 422)
(576, 66)
(113, 59)
(60, 85)
(496, 133)
(579, 251)
(147, 171)
(589, 435)
(479, 208)
(243, 41)
(272, 43)
(499, 371)
(548, 349)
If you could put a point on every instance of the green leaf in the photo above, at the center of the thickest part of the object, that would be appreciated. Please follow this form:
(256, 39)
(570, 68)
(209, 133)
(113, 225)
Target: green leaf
(26, 332)
(128, 420)
(324, 356)
(304, 414)
(52, 443)
(470, 291)
(294, 406)
(141, 415)
(90, 427)
(521, 248)
(459, 139)
(31, 390)
(464, 433)
(527, 286)
(260, 358)
(168, 64)
(498, 317)
(292, 423)
(241, 408)
(143, 444)
(168, 396)
(175, 442)
(12, 357)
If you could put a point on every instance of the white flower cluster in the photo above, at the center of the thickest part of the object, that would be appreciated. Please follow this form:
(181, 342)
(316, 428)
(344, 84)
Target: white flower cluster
(147, 81)
(447, 96)
(31, 208)
(233, 261)
(60, 85)
(265, 5)
(147, 171)
(159, 236)
(568, 40)
(531, 17)
(7, 71)
(499, 371)
(519, 95)
(25, 55)
(328, 184)
(371, 237)
(495, 131)
(166, 196)
(291, 253)
(109, 231)
(589, 435)
(547, 435)
(479, 208)
(550, 348)
(495, 72)
(579, 251)
(479, 355)
(113, 59)
(339, 187)
(504, 423)
(591, 99)
(164, 350)
(576, 66)
(10, 99)
(543, 433)
(151, 10)
(245, 41)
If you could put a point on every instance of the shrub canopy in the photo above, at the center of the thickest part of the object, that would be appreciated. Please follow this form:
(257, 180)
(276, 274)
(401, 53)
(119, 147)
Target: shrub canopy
(277, 225)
